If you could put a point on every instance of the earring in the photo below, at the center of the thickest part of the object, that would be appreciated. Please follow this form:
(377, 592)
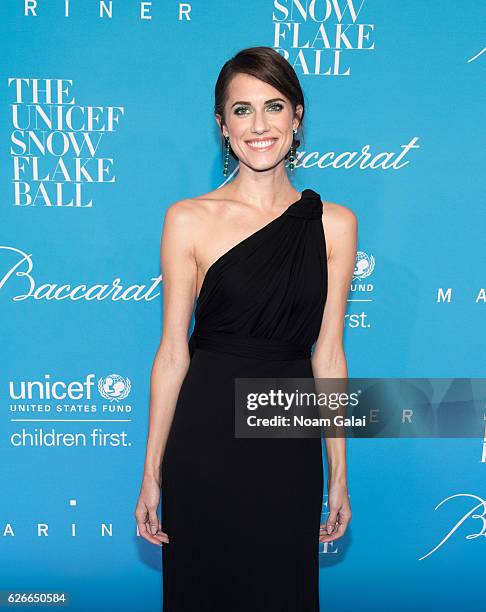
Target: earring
(292, 152)
(226, 155)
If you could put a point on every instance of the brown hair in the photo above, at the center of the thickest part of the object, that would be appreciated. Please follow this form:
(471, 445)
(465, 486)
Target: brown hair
(269, 66)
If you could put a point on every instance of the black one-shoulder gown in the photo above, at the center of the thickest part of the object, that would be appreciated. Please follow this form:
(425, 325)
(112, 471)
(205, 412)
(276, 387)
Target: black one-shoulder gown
(243, 514)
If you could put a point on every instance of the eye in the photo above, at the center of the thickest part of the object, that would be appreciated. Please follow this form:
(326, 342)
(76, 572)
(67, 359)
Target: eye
(276, 106)
(240, 108)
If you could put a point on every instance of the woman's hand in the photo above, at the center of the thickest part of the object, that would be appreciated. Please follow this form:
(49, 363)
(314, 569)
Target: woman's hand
(149, 525)
(339, 513)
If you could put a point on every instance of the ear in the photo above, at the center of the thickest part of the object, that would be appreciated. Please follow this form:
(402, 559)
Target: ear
(219, 121)
(299, 109)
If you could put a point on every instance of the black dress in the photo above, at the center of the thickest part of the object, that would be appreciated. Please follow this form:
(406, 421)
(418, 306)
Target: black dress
(243, 514)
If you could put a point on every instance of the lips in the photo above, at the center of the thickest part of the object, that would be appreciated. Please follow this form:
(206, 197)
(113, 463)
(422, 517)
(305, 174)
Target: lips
(262, 144)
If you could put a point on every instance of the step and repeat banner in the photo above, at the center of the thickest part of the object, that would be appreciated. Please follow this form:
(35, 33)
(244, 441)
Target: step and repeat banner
(107, 119)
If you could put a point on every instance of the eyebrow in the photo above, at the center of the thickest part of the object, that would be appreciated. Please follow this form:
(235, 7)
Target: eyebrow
(266, 102)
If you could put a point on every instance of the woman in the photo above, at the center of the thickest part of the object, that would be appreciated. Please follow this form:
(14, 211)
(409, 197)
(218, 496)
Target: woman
(240, 525)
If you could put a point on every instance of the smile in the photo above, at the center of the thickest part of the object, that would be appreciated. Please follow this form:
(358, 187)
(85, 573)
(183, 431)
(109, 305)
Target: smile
(261, 145)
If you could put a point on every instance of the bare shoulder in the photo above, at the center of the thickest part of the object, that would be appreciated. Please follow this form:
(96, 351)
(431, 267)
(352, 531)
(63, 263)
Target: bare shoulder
(338, 218)
(340, 228)
(182, 213)
(194, 210)
(183, 220)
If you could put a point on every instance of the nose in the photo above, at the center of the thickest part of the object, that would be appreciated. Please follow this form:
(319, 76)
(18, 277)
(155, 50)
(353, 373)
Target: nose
(260, 121)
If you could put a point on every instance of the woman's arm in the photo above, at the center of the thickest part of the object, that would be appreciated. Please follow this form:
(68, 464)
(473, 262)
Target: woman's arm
(179, 278)
(328, 359)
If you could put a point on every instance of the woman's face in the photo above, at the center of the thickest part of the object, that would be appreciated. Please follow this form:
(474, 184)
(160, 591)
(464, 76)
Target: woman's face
(259, 122)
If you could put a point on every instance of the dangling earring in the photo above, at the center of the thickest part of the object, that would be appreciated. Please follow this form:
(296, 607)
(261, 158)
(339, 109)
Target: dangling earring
(226, 155)
(292, 152)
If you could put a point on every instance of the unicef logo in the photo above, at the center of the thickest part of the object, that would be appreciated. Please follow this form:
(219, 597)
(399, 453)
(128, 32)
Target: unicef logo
(114, 387)
(364, 266)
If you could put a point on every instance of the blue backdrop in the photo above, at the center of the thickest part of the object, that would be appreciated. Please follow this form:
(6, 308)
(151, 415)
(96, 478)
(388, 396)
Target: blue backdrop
(105, 121)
